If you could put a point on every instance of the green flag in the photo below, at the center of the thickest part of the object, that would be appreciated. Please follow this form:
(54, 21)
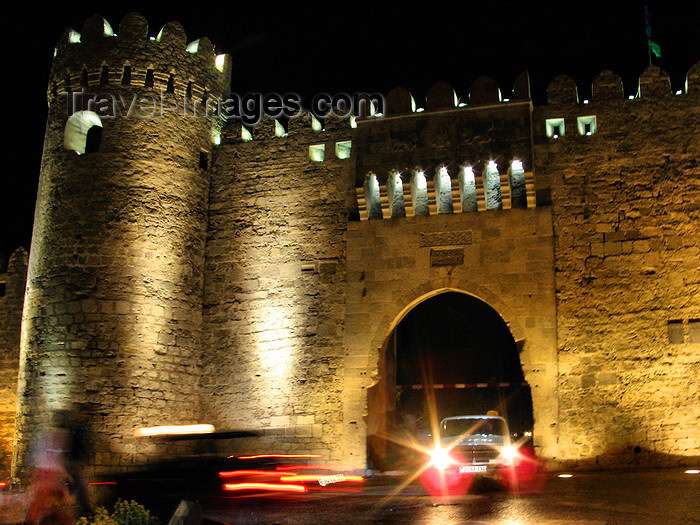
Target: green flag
(654, 48)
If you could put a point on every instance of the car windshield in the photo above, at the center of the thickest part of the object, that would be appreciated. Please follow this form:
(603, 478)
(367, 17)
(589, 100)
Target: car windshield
(486, 426)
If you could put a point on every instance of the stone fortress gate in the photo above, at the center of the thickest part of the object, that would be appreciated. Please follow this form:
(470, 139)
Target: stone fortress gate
(187, 269)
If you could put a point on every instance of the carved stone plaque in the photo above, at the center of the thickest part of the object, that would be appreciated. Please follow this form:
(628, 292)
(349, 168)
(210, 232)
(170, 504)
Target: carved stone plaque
(447, 257)
(456, 238)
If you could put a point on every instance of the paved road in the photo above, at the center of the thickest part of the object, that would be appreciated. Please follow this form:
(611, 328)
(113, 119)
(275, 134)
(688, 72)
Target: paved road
(647, 497)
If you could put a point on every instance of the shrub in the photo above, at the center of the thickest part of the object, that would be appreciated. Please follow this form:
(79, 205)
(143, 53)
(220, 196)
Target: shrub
(125, 513)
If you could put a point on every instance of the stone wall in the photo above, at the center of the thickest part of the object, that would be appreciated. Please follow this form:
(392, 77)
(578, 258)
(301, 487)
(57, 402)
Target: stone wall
(113, 306)
(627, 245)
(274, 288)
(507, 261)
(11, 300)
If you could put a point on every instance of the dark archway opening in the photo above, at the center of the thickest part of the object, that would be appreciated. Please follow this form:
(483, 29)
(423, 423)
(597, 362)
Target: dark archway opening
(456, 350)
(93, 139)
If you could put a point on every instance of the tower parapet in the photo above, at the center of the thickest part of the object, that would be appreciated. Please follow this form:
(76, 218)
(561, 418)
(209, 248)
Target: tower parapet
(96, 58)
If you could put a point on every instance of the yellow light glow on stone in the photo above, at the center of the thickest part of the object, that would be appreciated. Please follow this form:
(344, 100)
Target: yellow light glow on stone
(692, 471)
(175, 430)
(220, 61)
(565, 476)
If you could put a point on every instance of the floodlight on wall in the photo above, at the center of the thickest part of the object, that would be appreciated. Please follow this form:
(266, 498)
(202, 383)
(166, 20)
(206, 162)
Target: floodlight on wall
(220, 61)
(193, 47)
(246, 135)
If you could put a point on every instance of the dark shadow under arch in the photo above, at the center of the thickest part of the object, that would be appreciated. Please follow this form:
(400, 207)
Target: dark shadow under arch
(454, 341)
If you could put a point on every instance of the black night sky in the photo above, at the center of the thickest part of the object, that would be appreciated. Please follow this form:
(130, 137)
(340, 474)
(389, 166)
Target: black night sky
(345, 47)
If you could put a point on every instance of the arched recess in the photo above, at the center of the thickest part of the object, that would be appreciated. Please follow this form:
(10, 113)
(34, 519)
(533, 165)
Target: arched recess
(83, 132)
(384, 395)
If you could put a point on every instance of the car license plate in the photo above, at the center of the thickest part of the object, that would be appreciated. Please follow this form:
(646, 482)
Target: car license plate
(472, 468)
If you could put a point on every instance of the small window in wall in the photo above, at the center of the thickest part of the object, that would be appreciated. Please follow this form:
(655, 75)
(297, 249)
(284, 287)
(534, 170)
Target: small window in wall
(188, 91)
(84, 78)
(246, 135)
(694, 330)
(170, 88)
(675, 332)
(555, 127)
(83, 132)
(104, 76)
(126, 76)
(2, 289)
(149, 79)
(317, 152)
(343, 149)
(203, 160)
(586, 125)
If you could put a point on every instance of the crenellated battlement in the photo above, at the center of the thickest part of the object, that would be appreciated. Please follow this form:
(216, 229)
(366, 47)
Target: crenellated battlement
(97, 58)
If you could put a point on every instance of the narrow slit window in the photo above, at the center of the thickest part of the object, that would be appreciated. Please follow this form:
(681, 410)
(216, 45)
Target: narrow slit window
(126, 76)
(203, 160)
(188, 91)
(149, 79)
(170, 88)
(84, 78)
(104, 76)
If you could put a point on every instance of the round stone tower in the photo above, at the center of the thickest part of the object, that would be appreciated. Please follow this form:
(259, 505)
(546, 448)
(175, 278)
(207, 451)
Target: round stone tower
(112, 316)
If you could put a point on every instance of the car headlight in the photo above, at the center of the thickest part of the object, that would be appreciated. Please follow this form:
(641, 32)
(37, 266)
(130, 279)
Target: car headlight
(509, 452)
(440, 458)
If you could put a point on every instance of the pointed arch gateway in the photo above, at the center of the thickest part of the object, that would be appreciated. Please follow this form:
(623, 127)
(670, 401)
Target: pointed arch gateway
(465, 347)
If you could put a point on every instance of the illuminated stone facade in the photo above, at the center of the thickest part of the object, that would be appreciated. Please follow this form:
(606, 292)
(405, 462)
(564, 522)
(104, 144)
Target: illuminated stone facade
(185, 273)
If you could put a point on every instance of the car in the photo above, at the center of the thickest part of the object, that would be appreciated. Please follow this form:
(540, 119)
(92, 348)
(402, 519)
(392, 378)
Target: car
(481, 445)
